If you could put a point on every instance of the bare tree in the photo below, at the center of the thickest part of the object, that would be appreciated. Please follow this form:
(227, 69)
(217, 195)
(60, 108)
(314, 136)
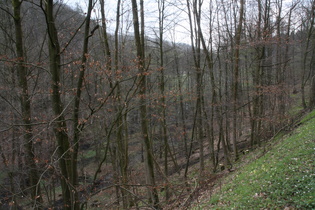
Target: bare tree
(25, 100)
(235, 86)
(194, 16)
(310, 15)
(149, 158)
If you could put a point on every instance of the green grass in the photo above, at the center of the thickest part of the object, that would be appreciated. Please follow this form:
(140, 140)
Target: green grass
(283, 177)
(88, 154)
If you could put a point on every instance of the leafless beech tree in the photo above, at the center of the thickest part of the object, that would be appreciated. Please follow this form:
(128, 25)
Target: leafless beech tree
(105, 101)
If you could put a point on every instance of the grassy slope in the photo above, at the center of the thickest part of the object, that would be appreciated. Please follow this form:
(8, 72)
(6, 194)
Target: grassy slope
(283, 177)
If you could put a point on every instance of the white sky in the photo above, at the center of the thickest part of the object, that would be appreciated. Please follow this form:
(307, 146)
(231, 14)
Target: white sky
(176, 20)
(182, 35)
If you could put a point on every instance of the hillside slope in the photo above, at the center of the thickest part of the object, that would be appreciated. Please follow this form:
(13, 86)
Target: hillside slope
(281, 178)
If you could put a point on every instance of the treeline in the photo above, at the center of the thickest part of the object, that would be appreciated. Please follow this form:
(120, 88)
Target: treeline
(96, 105)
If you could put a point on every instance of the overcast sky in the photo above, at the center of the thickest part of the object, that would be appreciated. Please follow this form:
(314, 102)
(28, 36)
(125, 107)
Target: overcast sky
(176, 21)
(151, 18)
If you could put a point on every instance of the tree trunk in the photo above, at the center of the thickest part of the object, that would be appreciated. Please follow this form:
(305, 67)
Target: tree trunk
(214, 95)
(312, 94)
(139, 41)
(60, 126)
(77, 126)
(235, 85)
(181, 102)
(196, 50)
(161, 6)
(25, 101)
(262, 33)
(310, 32)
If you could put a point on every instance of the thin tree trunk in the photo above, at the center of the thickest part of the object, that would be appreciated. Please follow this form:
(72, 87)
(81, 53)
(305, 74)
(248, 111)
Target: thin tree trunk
(256, 121)
(25, 101)
(77, 126)
(312, 94)
(195, 45)
(181, 102)
(121, 138)
(139, 41)
(161, 6)
(60, 126)
(214, 97)
(305, 76)
(235, 85)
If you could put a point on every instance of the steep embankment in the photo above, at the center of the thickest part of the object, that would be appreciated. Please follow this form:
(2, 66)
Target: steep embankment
(281, 178)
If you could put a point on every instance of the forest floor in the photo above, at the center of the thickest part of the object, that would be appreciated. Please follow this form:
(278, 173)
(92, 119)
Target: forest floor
(279, 175)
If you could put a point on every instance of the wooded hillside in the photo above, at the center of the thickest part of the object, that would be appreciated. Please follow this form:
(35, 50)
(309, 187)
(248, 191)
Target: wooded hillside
(131, 104)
